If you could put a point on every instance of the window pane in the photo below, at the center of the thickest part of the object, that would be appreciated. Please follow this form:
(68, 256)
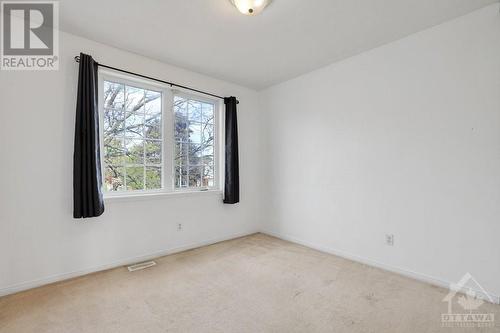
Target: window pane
(134, 151)
(208, 176)
(195, 132)
(152, 104)
(181, 153)
(152, 127)
(208, 150)
(113, 95)
(208, 155)
(153, 178)
(153, 152)
(195, 176)
(134, 125)
(114, 150)
(194, 154)
(134, 99)
(181, 128)
(180, 106)
(135, 178)
(113, 122)
(114, 178)
(207, 113)
(208, 134)
(181, 177)
(194, 111)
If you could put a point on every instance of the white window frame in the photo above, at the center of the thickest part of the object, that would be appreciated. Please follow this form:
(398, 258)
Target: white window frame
(168, 144)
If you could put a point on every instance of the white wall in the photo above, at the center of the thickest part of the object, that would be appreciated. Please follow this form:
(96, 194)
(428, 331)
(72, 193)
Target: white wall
(403, 139)
(39, 240)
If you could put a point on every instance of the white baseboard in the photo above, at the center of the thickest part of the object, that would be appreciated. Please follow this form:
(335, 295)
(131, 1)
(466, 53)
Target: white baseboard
(123, 262)
(401, 271)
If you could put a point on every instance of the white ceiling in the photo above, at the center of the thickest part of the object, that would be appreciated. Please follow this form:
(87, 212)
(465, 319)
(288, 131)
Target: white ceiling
(289, 38)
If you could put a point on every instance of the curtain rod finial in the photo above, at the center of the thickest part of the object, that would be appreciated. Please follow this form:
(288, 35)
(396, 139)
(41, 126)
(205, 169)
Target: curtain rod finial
(77, 58)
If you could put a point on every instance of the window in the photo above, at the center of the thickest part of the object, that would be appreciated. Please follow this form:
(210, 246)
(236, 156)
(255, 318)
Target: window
(156, 140)
(194, 143)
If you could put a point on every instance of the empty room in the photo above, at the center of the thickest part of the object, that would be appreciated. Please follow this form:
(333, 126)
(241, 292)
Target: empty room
(250, 166)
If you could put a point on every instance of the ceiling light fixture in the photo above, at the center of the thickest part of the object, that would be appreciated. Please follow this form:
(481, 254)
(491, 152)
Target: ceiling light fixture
(250, 7)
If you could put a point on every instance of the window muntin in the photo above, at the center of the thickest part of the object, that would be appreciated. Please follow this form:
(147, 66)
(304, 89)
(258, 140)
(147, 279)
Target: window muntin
(194, 136)
(132, 137)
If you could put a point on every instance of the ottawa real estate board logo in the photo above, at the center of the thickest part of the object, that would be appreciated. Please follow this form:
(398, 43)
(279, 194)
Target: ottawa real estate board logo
(465, 302)
(29, 35)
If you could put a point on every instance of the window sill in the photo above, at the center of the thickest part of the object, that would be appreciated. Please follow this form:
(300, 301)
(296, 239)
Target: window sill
(159, 195)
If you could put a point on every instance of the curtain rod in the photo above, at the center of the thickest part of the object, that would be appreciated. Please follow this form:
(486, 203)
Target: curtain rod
(77, 59)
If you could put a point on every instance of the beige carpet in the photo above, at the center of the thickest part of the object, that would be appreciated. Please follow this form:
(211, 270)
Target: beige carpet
(252, 284)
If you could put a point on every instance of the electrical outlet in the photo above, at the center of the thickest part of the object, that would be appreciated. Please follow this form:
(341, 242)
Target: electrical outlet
(179, 227)
(389, 239)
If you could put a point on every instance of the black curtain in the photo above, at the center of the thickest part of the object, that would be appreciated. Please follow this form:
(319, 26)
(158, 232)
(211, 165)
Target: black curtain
(232, 171)
(87, 179)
